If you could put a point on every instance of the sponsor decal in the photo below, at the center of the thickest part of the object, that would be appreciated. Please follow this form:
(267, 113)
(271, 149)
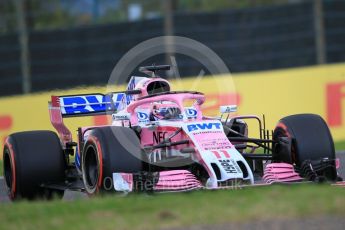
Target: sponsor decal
(220, 153)
(230, 166)
(82, 104)
(121, 117)
(191, 113)
(92, 103)
(214, 142)
(209, 135)
(142, 116)
(204, 126)
(159, 137)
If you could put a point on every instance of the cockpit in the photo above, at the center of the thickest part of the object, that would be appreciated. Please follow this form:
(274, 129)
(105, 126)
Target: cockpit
(172, 106)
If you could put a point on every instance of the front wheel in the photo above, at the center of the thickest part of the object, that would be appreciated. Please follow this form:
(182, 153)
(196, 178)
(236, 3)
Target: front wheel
(108, 150)
(311, 141)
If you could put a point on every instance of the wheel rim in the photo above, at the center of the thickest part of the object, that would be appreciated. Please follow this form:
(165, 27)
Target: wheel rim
(91, 170)
(283, 132)
(8, 170)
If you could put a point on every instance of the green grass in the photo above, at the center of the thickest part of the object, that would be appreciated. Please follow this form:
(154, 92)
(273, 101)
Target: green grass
(176, 210)
(340, 145)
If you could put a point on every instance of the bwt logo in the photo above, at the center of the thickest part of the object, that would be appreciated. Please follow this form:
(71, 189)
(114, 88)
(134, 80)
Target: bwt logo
(203, 126)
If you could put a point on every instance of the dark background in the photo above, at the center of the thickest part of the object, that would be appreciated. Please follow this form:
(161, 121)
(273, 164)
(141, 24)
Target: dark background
(247, 39)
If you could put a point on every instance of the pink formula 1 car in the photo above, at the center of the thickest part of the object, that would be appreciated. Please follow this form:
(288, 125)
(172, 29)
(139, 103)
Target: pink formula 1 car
(159, 140)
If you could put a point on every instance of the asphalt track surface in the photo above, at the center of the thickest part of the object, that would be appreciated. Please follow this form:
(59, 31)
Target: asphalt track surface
(72, 195)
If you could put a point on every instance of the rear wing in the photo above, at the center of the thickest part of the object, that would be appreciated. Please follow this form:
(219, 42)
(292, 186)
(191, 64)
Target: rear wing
(92, 104)
(85, 105)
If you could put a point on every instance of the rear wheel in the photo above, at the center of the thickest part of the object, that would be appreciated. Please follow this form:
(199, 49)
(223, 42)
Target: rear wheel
(311, 140)
(108, 150)
(32, 159)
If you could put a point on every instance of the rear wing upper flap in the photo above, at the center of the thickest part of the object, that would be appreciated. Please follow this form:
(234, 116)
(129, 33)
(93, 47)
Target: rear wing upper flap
(92, 104)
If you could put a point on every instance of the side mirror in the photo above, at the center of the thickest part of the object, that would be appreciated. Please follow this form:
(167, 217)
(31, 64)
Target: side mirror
(228, 108)
(121, 116)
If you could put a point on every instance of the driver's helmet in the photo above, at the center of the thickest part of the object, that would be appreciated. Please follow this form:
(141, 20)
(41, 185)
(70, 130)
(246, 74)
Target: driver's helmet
(165, 111)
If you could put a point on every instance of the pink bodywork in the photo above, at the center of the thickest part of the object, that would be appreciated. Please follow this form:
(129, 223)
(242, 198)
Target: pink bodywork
(280, 172)
(57, 121)
(176, 180)
(213, 142)
(172, 180)
(143, 84)
(176, 98)
(146, 135)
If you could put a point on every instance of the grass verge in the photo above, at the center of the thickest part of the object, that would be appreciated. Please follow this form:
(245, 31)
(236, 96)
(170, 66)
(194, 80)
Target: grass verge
(177, 210)
(340, 146)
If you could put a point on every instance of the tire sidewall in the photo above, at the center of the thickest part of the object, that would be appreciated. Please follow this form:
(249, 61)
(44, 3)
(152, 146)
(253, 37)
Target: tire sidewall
(33, 163)
(12, 184)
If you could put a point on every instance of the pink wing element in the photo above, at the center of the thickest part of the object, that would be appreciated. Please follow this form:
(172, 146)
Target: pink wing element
(337, 163)
(128, 177)
(339, 184)
(280, 172)
(279, 165)
(123, 182)
(177, 180)
(57, 121)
